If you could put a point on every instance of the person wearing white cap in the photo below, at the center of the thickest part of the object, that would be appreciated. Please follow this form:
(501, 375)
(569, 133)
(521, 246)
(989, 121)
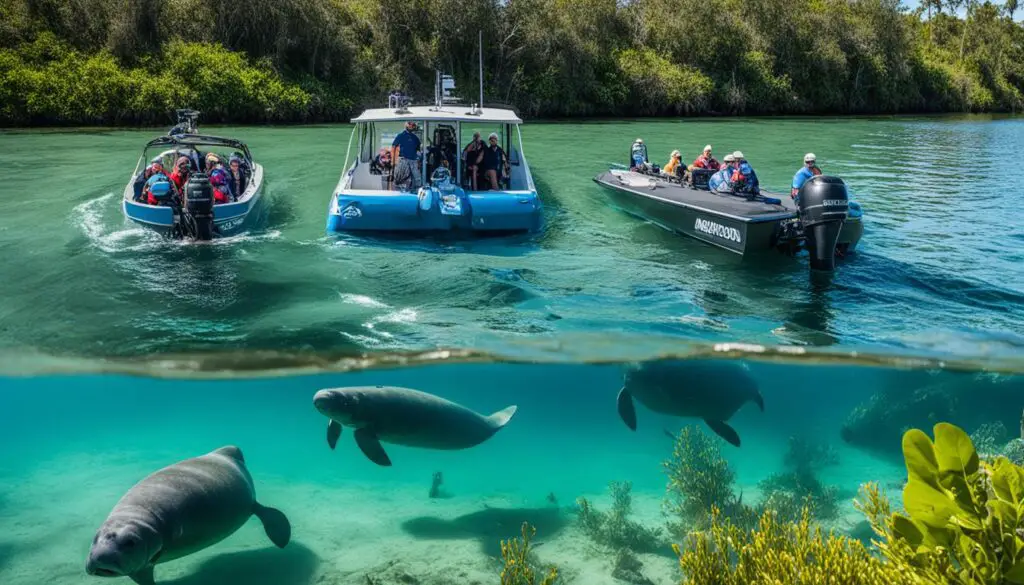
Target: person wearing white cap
(705, 160)
(744, 179)
(638, 155)
(721, 181)
(810, 169)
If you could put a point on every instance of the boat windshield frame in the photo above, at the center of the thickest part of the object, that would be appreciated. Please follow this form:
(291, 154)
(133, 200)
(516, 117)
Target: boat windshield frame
(193, 140)
(511, 132)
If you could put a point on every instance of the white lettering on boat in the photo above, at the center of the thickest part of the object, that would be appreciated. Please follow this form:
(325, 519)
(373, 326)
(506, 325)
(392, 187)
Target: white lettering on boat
(718, 230)
(835, 202)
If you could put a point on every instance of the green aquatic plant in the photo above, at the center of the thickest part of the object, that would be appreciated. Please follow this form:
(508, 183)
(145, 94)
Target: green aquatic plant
(802, 452)
(989, 439)
(787, 493)
(519, 565)
(776, 551)
(615, 528)
(964, 517)
(699, 478)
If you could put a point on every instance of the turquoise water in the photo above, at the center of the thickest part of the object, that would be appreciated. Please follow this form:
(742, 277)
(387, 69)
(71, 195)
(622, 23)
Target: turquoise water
(121, 352)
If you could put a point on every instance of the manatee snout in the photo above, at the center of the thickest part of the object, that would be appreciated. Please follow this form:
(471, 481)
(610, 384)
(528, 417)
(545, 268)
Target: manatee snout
(336, 405)
(115, 553)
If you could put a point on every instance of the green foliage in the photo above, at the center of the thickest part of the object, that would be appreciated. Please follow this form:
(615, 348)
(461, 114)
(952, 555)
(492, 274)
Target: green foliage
(615, 529)
(779, 551)
(790, 492)
(519, 565)
(963, 521)
(699, 479)
(307, 60)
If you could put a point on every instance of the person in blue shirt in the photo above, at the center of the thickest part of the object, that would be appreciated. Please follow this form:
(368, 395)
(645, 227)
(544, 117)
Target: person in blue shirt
(407, 168)
(721, 181)
(638, 155)
(810, 169)
(744, 179)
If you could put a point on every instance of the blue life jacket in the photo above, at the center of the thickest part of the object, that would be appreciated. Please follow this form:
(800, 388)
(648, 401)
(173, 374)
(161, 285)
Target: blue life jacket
(638, 155)
(751, 184)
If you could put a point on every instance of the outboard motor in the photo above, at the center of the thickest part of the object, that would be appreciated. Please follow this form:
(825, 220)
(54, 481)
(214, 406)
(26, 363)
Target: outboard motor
(823, 203)
(198, 207)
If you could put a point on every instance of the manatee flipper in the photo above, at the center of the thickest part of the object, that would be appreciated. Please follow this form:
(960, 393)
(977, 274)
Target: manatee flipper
(627, 410)
(723, 430)
(501, 418)
(333, 433)
(758, 399)
(370, 445)
(143, 576)
(275, 524)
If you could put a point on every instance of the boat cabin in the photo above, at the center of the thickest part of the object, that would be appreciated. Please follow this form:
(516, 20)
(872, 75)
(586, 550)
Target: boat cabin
(444, 132)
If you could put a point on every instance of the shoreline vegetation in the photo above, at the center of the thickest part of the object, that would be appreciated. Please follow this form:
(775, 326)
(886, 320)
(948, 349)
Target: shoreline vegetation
(131, 63)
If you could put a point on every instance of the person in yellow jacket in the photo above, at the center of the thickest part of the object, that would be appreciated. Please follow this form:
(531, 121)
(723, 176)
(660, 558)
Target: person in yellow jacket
(674, 166)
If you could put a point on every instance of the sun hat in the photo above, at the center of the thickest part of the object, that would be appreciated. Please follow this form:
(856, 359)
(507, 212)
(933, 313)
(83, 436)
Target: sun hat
(729, 158)
(707, 148)
(675, 154)
(737, 155)
(809, 157)
(493, 135)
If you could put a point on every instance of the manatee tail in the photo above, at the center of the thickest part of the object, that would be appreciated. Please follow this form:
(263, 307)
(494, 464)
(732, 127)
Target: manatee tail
(275, 523)
(627, 410)
(758, 399)
(501, 418)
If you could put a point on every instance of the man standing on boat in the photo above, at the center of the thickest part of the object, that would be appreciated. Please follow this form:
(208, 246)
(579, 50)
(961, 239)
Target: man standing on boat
(406, 148)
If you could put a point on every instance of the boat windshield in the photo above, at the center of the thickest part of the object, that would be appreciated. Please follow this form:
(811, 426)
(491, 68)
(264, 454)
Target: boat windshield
(442, 143)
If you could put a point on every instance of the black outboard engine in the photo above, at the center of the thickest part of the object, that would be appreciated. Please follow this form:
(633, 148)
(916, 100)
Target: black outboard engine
(823, 203)
(198, 207)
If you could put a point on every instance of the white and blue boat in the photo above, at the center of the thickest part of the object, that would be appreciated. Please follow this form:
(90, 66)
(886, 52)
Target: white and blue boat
(177, 215)
(368, 199)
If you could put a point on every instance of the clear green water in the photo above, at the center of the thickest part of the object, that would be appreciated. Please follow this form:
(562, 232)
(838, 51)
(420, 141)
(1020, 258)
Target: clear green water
(100, 322)
(940, 268)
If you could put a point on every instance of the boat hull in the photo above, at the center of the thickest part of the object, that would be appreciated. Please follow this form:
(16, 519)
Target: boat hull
(482, 213)
(229, 219)
(745, 232)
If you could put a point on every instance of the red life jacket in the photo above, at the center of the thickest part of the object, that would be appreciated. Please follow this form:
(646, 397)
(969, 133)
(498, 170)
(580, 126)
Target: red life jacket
(220, 195)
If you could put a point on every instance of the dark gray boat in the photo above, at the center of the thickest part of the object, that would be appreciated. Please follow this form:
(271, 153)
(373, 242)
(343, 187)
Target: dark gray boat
(826, 222)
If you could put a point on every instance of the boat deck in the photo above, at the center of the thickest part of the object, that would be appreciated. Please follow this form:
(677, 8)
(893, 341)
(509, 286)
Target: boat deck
(728, 206)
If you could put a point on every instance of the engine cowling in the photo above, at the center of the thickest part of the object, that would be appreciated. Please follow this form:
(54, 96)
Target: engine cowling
(199, 205)
(823, 203)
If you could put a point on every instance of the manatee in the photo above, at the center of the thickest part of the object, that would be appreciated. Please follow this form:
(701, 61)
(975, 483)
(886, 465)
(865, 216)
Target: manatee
(179, 510)
(403, 416)
(710, 390)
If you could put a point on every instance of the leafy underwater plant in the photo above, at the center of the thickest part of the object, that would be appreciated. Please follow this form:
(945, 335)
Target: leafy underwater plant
(777, 552)
(699, 479)
(964, 518)
(615, 529)
(519, 568)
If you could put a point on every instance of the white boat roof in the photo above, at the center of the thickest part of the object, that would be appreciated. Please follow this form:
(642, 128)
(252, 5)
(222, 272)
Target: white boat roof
(451, 112)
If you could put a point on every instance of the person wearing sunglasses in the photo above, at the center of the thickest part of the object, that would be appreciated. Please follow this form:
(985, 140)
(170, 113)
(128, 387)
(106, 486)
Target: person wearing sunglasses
(810, 169)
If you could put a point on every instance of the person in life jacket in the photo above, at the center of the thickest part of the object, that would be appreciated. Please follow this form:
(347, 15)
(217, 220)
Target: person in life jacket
(238, 180)
(181, 173)
(810, 169)
(721, 181)
(638, 155)
(158, 185)
(744, 179)
(219, 184)
(674, 167)
(706, 161)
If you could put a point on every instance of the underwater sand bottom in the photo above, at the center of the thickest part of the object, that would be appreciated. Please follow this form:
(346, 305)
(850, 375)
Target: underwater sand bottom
(348, 533)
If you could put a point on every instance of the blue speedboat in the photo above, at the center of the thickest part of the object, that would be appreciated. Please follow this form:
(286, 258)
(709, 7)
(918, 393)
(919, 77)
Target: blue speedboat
(374, 195)
(191, 210)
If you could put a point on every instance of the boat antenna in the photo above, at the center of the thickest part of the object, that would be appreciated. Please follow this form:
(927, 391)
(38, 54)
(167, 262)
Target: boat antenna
(481, 32)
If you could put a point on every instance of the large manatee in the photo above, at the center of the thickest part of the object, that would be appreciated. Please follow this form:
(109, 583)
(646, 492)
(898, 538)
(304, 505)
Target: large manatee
(179, 510)
(711, 390)
(403, 416)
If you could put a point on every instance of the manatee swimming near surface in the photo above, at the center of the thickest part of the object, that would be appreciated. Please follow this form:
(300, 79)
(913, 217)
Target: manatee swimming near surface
(179, 510)
(404, 416)
(710, 390)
